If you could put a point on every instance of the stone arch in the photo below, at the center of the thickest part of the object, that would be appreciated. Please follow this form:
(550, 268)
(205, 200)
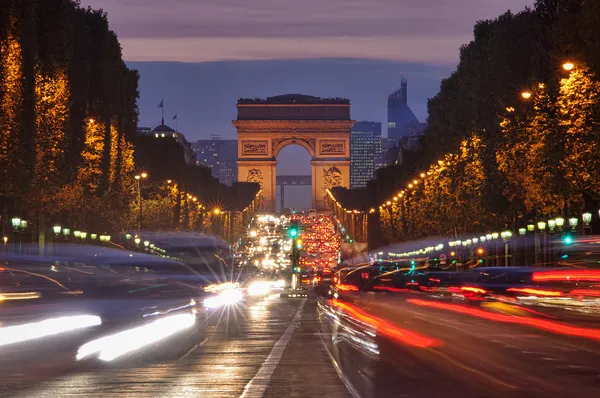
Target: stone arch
(307, 143)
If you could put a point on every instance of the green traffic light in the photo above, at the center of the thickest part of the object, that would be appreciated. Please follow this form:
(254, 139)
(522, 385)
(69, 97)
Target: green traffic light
(293, 232)
(567, 240)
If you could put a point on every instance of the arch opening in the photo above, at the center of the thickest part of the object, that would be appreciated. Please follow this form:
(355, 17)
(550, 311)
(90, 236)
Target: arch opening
(293, 177)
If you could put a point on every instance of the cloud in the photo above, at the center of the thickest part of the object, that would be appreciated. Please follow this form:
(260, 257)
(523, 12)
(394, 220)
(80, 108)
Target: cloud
(422, 49)
(279, 29)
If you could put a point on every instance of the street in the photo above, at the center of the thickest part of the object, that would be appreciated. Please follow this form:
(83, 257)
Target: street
(230, 362)
(430, 351)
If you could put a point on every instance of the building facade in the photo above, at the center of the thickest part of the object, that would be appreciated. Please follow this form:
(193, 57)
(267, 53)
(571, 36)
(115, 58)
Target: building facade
(320, 125)
(365, 152)
(219, 155)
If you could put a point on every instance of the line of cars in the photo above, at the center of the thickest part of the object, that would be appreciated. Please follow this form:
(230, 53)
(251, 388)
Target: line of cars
(571, 292)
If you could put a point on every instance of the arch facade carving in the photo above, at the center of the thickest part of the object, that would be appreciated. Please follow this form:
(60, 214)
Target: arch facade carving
(321, 126)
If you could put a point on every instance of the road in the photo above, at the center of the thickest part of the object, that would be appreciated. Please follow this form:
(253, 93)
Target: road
(376, 345)
(458, 350)
(270, 348)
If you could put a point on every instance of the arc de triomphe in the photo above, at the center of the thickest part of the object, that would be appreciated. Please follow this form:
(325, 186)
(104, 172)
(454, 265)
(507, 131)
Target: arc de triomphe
(320, 125)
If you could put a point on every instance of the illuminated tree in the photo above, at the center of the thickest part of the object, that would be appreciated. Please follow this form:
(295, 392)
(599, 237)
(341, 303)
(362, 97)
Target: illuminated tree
(579, 114)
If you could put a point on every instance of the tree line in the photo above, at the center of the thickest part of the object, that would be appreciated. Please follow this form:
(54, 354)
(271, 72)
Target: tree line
(513, 135)
(68, 118)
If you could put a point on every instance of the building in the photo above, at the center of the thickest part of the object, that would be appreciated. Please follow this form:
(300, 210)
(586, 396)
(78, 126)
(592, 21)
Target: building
(402, 122)
(164, 131)
(382, 156)
(219, 155)
(365, 152)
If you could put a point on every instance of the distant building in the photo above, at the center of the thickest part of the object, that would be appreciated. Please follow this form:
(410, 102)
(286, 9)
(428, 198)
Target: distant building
(163, 131)
(220, 156)
(383, 158)
(365, 150)
(402, 122)
(411, 143)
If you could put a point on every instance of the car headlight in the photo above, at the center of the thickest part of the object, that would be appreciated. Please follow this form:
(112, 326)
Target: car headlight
(227, 297)
(259, 288)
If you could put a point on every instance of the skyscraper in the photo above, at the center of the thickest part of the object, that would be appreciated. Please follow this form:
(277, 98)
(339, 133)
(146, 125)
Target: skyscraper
(402, 122)
(220, 156)
(365, 150)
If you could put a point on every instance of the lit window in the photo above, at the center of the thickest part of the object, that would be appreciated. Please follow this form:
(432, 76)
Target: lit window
(391, 125)
(156, 135)
(162, 135)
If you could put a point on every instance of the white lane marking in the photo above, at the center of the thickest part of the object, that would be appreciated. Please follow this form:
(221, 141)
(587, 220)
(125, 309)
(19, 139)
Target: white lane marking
(257, 387)
(193, 349)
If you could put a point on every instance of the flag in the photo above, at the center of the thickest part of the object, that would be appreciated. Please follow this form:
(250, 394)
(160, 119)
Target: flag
(161, 104)
(174, 117)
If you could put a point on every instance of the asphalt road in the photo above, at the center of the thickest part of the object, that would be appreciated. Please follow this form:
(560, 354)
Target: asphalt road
(376, 345)
(269, 348)
(458, 350)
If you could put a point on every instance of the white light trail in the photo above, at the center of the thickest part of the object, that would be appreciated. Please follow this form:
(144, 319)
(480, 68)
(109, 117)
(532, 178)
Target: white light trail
(45, 328)
(116, 345)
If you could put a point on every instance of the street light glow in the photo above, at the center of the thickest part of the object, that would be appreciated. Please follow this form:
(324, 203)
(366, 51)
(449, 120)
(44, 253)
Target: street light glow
(568, 66)
(144, 175)
(526, 94)
(217, 210)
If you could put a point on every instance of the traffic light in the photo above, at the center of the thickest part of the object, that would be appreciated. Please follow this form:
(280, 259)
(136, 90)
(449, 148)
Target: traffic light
(567, 240)
(299, 243)
(293, 229)
(412, 265)
(296, 270)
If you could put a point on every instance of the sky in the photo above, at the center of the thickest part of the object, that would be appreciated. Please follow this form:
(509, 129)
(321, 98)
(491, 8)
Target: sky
(200, 56)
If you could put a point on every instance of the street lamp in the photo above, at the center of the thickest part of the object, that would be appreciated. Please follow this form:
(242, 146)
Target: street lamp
(137, 241)
(551, 225)
(57, 229)
(66, 232)
(560, 222)
(541, 225)
(568, 66)
(77, 234)
(530, 227)
(93, 236)
(526, 94)
(573, 221)
(217, 211)
(16, 222)
(522, 231)
(138, 178)
(587, 219)
(83, 235)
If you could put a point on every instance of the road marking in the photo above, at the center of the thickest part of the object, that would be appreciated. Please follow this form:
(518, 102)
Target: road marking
(257, 387)
(193, 349)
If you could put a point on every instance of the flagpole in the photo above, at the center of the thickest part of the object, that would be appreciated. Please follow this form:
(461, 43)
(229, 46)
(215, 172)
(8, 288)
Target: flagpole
(162, 110)
(177, 123)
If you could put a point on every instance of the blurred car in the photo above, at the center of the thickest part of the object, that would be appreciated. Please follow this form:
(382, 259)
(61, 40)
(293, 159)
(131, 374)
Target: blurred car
(322, 281)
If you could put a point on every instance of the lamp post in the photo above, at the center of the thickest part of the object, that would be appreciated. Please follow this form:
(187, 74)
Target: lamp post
(587, 219)
(19, 226)
(542, 227)
(139, 178)
(506, 235)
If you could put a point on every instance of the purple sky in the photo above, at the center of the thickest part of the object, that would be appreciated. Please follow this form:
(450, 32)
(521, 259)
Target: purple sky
(201, 56)
(428, 31)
